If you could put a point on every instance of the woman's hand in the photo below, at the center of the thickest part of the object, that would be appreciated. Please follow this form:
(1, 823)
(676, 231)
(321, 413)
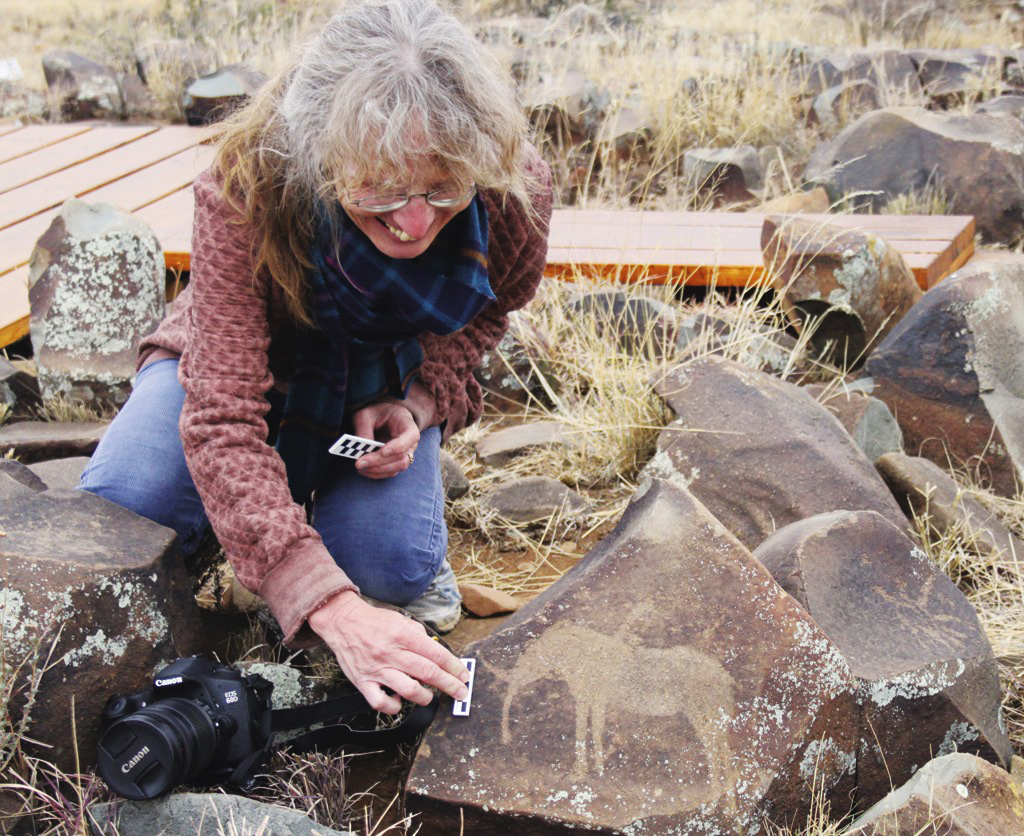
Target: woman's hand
(377, 647)
(401, 431)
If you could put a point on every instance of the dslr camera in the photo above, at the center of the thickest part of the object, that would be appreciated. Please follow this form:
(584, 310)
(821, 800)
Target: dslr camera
(201, 723)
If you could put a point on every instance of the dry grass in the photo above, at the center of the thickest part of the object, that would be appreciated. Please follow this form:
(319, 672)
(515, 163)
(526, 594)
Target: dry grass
(71, 410)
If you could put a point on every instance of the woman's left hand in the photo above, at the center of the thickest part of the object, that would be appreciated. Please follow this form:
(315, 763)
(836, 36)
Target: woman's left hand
(401, 430)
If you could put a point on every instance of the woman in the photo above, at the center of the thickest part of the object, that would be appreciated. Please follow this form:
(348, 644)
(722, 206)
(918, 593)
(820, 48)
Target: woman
(370, 219)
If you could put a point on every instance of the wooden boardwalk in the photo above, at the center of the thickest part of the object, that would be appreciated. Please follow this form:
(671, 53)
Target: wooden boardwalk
(148, 170)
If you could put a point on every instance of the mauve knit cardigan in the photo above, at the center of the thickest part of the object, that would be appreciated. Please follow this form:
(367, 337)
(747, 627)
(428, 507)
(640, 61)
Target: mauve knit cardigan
(232, 332)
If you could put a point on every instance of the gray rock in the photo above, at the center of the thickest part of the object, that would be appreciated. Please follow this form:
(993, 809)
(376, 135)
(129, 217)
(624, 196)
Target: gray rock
(85, 89)
(96, 287)
(19, 390)
(949, 76)
(956, 795)
(926, 677)
(637, 323)
(880, 68)
(665, 684)
(841, 104)
(867, 419)
(20, 102)
(37, 441)
(108, 588)
(499, 447)
(510, 373)
(535, 499)
(760, 453)
(854, 284)
(198, 814)
(731, 333)
(567, 106)
(61, 473)
(21, 474)
(950, 373)
(977, 160)
(924, 488)
(454, 481)
(1012, 105)
(214, 96)
(727, 175)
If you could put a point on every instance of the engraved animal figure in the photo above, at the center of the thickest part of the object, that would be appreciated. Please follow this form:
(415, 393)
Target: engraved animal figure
(609, 673)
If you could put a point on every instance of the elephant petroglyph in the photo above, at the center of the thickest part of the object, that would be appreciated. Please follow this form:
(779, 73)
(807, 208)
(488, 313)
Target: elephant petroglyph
(610, 674)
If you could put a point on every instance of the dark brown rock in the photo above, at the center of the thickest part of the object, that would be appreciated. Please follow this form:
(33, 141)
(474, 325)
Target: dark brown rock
(96, 287)
(484, 601)
(21, 474)
(760, 453)
(867, 419)
(37, 441)
(61, 473)
(853, 283)
(453, 480)
(927, 679)
(510, 373)
(665, 684)
(214, 96)
(841, 104)
(637, 323)
(977, 160)
(954, 795)
(880, 68)
(1012, 105)
(949, 76)
(500, 446)
(535, 499)
(728, 332)
(727, 175)
(19, 390)
(84, 88)
(108, 587)
(951, 375)
(925, 489)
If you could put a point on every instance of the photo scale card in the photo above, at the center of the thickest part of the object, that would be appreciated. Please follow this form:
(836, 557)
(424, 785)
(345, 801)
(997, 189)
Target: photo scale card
(354, 446)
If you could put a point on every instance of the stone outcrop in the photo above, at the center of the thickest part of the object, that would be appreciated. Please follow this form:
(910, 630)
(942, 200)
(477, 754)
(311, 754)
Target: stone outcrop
(760, 453)
(950, 373)
(214, 96)
(84, 88)
(924, 488)
(927, 679)
(37, 441)
(867, 419)
(955, 795)
(103, 586)
(853, 284)
(536, 499)
(96, 287)
(666, 684)
(977, 160)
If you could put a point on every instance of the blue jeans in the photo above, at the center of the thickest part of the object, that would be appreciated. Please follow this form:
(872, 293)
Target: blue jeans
(388, 535)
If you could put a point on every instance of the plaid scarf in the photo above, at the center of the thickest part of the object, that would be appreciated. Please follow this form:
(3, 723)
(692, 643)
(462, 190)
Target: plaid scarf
(369, 309)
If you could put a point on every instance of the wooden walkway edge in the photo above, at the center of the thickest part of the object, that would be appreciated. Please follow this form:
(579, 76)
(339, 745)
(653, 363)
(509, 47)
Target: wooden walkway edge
(149, 170)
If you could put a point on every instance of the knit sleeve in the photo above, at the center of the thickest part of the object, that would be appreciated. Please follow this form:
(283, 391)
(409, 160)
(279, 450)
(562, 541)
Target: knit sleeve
(517, 254)
(240, 478)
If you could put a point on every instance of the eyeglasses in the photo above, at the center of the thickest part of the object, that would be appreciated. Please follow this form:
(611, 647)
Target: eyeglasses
(439, 198)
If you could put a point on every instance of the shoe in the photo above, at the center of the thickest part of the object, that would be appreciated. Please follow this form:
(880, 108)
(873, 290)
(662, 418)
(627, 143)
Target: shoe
(440, 606)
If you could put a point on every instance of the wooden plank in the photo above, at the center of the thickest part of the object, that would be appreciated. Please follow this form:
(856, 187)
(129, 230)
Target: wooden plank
(18, 241)
(10, 129)
(54, 189)
(156, 181)
(34, 137)
(14, 305)
(171, 220)
(61, 155)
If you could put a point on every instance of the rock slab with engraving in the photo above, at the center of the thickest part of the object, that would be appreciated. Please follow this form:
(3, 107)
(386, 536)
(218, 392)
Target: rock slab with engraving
(665, 684)
(951, 373)
(760, 453)
(108, 586)
(96, 287)
(927, 679)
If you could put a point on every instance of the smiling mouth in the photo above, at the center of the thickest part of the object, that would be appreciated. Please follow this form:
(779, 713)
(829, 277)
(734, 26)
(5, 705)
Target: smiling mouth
(399, 234)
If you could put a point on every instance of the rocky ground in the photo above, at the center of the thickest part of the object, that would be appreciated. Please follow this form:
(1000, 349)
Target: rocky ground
(734, 566)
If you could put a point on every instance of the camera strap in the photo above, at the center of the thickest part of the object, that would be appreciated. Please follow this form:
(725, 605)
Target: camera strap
(348, 707)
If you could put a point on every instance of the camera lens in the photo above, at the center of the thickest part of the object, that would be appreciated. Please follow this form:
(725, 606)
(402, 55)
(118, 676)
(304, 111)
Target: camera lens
(150, 752)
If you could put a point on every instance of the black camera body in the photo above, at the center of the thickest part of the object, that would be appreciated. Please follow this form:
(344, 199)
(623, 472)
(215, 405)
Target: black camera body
(201, 723)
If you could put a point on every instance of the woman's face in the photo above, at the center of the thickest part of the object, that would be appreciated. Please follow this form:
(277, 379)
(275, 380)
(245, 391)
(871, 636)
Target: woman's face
(409, 231)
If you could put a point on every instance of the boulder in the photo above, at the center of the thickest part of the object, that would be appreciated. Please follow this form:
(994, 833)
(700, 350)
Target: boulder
(841, 104)
(21, 474)
(484, 601)
(955, 795)
(1011, 104)
(19, 390)
(453, 480)
(37, 441)
(813, 200)
(949, 76)
(61, 473)
(566, 106)
(760, 453)
(949, 372)
(977, 160)
(18, 101)
(853, 284)
(637, 323)
(85, 89)
(96, 287)
(107, 589)
(867, 419)
(665, 684)
(214, 96)
(733, 333)
(925, 489)
(927, 680)
(510, 373)
(202, 814)
(499, 447)
(882, 69)
(725, 175)
(536, 499)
